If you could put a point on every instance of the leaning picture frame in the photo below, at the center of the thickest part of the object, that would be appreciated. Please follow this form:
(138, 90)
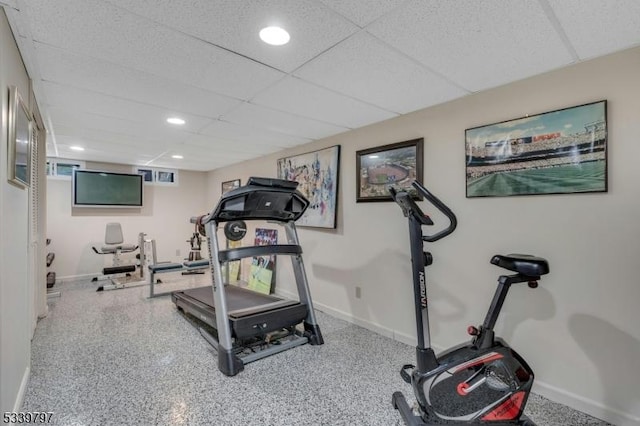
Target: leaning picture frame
(556, 152)
(395, 165)
(19, 140)
(317, 174)
(230, 185)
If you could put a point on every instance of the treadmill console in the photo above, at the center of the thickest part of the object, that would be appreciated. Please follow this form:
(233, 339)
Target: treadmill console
(274, 183)
(262, 198)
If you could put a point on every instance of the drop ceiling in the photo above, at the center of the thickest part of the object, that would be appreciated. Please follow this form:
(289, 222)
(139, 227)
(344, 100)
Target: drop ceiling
(107, 74)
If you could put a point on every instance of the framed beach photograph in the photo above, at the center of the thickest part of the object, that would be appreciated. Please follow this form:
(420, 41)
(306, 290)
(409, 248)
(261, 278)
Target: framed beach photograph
(317, 176)
(396, 165)
(230, 185)
(556, 152)
(19, 140)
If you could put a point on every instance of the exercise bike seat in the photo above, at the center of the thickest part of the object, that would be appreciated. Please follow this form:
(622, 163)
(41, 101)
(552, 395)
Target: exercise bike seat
(524, 264)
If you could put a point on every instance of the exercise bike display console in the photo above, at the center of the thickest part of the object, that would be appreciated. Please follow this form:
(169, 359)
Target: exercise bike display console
(483, 381)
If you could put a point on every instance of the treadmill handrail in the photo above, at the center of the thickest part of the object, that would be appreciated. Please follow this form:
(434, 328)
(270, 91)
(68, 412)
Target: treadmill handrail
(255, 251)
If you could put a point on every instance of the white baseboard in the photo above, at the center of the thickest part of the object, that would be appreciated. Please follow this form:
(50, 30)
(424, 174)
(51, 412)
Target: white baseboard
(376, 328)
(17, 407)
(78, 277)
(561, 396)
(354, 320)
(589, 406)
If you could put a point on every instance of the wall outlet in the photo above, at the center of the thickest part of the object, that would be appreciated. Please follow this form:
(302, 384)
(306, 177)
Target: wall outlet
(178, 253)
(358, 292)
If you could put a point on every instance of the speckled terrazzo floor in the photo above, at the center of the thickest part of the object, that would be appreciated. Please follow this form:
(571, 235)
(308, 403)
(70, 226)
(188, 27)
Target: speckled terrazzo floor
(118, 358)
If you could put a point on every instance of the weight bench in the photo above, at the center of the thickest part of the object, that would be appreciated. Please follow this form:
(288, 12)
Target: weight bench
(163, 268)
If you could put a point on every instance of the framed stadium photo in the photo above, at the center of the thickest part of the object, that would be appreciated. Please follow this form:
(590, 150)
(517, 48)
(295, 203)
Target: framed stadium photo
(396, 165)
(556, 152)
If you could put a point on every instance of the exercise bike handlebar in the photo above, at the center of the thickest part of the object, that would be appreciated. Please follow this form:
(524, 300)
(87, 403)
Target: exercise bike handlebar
(409, 207)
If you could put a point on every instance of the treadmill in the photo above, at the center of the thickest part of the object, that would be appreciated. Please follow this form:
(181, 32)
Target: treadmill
(247, 325)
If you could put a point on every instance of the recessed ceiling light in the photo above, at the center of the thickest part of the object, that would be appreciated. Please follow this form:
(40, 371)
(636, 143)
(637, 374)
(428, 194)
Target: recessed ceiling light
(275, 36)
(76, 148)
(177, 157)
(175, 120)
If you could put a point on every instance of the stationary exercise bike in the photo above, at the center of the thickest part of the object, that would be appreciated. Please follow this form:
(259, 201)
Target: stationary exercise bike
(480, 382)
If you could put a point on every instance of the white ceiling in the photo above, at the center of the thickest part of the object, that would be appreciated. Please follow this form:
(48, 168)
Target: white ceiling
(107, 73)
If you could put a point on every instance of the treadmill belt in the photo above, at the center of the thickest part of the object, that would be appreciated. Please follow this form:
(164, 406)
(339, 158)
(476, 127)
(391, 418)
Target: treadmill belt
(238, 299)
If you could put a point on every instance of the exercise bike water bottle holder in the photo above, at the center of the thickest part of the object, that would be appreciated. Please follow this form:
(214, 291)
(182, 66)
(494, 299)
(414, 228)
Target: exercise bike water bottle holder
(483, 381)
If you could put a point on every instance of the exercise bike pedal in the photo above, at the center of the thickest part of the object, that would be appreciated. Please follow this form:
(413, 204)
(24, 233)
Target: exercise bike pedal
(406, 376)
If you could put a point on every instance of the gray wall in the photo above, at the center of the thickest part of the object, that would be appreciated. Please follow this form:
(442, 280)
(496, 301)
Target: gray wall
(579, 329)
(16, 302)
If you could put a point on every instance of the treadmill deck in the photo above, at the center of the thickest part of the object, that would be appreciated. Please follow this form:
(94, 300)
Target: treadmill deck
(250, 313)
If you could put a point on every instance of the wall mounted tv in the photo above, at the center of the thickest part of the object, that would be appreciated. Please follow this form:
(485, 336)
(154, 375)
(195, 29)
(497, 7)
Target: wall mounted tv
(92, 188)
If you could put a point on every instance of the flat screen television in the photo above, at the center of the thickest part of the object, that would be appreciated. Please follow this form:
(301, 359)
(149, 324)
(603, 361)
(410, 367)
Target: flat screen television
(92, 188)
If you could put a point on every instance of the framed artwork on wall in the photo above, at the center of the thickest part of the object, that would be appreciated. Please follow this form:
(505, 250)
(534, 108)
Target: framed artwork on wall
(397, 165)
(230, 185)
(19, 140)
(317, 176)
(556, 152)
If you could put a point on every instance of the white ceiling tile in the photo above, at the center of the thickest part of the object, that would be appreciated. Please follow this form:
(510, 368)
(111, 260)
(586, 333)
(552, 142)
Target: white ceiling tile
(596, 27)
(223, 147)
(362, 12)
(90, 102)
(64, 67)
(112, 157)
(113, 129)
(300, 97)
(197, 166)
(366, 69)
(477, 44)
(80, 135)
(102, 152)
(92, 146)
(105, 72)
(249, 134)
(104, 31)
(191, 162)
(283, 122)
(212, 157)
(235, 25)
(167, 162)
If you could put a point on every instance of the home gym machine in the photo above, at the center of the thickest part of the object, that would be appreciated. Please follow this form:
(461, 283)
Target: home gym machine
(195, 245)
(248, 326)
(481, 382)
(115, 246)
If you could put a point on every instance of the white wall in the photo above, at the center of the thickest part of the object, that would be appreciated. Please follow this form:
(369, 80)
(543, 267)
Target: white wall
(15, 304)
(164, 217)
(579, 329)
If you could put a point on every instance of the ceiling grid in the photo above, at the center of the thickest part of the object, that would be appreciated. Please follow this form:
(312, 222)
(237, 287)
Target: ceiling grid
(109, 73)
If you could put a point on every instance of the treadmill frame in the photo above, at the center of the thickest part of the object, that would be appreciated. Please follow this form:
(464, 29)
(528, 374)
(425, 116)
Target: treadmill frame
(230, 359)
